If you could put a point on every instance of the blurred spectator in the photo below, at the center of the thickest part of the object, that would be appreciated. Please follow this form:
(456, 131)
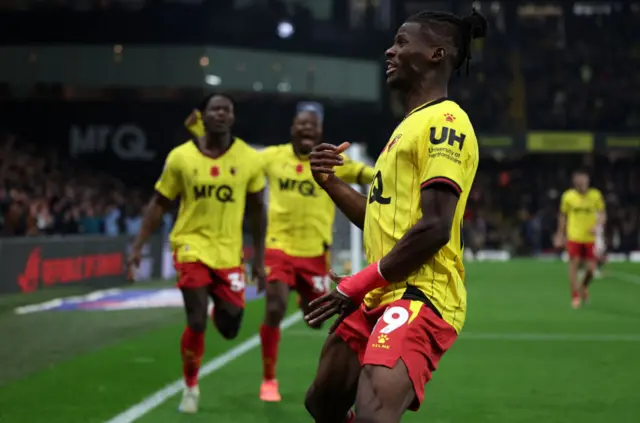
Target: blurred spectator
(40, 196)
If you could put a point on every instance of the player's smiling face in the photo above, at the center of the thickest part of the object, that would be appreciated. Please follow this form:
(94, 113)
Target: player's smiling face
(218, 116)
(410, 56)
(306, 131)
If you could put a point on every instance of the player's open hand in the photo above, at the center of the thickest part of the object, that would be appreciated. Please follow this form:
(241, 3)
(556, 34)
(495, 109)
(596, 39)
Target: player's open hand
(329, 305)
(259, 277)
(324, 157)
(135, 256)
(192, 118)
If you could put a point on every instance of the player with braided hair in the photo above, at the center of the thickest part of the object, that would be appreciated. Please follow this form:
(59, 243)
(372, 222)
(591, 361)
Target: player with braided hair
(398, 316)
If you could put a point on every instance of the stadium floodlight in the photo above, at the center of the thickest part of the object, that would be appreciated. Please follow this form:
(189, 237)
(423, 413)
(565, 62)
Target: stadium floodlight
(285, 29)
(212, 80)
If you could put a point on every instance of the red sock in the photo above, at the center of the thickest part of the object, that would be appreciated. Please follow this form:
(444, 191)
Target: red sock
(269, 338)
(191, 349)
(575, 294)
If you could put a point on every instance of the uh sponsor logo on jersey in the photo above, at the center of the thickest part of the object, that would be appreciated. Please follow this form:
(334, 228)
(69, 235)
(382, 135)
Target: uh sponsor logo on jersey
(127, 141)
(440, 136)
(441, 140)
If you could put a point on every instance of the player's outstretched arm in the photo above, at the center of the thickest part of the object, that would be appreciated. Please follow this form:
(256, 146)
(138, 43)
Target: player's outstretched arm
(258, 216)
(152, 219)
(323, 159)
(354, 172)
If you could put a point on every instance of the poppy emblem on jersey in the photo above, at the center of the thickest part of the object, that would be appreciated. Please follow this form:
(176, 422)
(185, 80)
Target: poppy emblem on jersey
(215, 171)
(392, 142)
(449, 117)
(299, 168)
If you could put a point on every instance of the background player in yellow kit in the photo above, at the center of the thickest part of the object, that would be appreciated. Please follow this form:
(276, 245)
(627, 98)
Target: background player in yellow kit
(299, 233)
(213, 176)
(582, 215)
(400, 314)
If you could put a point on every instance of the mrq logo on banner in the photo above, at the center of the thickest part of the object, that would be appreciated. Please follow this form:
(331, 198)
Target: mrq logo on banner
(127, 141)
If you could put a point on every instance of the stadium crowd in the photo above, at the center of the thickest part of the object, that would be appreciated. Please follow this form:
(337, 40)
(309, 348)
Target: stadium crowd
(544, 75)
(42, 193)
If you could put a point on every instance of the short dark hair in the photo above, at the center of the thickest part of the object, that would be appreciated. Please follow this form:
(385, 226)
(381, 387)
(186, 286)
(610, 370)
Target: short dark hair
(581, 171)
(203, 103)
(461, 29)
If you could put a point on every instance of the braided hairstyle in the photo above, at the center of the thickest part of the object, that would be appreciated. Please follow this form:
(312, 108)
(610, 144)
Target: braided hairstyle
(460, 30)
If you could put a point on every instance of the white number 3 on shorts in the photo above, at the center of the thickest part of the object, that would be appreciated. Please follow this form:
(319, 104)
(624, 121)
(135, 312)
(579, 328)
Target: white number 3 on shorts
(237, 281)
(321, 284)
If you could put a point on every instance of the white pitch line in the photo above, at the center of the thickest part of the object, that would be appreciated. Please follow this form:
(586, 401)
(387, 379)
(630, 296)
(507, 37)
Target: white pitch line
(146, 405)
(546, 337)
(624, 276)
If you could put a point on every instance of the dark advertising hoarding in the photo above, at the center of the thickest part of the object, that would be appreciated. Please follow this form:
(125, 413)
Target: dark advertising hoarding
(33, 264)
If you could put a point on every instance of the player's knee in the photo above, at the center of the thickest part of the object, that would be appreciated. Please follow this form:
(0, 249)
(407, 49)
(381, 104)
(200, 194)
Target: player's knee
(313, 402)
(227, 324)
(197, 322)
(326, 403)
(309, 401)
(275, 310)
(229, 332)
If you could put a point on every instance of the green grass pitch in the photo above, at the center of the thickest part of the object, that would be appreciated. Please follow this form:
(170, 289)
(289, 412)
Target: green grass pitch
(524, 356)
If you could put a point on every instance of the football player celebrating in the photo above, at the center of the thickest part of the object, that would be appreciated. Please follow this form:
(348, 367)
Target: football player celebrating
(299, 232)
(398, 316)
(213, 175)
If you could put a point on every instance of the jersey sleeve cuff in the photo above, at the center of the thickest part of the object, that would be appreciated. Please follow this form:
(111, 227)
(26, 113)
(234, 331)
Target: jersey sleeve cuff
(442, 180)
(163, 194)
(359, 175)
(251, 191)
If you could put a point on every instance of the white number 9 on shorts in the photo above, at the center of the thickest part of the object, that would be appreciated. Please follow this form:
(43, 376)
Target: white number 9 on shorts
(394, 317)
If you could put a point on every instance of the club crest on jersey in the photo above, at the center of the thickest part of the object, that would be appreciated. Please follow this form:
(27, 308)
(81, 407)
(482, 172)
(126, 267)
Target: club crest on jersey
(233, 171)
(449, 117)
(299, 168)
(215, 171)
(392, 142)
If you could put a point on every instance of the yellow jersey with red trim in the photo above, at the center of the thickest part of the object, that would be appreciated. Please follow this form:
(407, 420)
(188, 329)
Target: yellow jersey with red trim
(434, 144)
(301, 214)
(212, 195)
(581, 211)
